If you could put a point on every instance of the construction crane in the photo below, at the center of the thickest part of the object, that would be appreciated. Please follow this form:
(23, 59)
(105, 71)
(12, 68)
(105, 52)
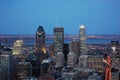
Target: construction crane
(107, 61)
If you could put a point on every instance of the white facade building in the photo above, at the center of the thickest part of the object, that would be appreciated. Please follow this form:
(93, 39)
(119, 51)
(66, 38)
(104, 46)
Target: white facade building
(59, 59)
(71, 59)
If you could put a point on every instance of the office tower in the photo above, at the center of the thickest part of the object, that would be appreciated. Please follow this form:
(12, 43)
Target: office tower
(45, 65)
(91, 63)
(82, 36)
(71, 59)
(51, 49)
(83, 61)
(65, 51)
(74, 47)
(115, 49)
(36, 63)
(58, 39)
(23, 70)
(6, 65)
(18, 47)
(40, 40)
(96, 62)
(115, 55)
(59, 59)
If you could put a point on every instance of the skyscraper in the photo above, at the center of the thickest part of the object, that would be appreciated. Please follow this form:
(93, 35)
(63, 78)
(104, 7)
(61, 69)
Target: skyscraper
(6, 65)
(40, 40)
(115, 55)
(18, 47)
(74, 47)
(58, 39)
(82, 36)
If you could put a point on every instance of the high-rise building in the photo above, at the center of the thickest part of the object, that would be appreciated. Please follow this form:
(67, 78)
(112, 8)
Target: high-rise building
(40, 40)
(18, 47)
(96, 62)
(82, 36)
(91, 63)
(83, 61)
(71, 59)
(59, 59)
(23, 70)
(115, 55)
(6, 65)
(74, 47)
(115, 49)
(58, 39)
(65, 51)
(36, 63)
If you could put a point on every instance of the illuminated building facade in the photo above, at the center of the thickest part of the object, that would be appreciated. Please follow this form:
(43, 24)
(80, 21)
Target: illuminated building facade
(96, 62)
(40, 40)
(18, 47)
(82, 36)
(58, 39)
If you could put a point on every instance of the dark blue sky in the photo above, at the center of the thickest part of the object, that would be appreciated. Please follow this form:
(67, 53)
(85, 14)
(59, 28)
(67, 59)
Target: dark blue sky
(24, 16)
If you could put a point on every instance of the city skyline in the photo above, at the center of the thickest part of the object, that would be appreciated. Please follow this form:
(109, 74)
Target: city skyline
(23, 17)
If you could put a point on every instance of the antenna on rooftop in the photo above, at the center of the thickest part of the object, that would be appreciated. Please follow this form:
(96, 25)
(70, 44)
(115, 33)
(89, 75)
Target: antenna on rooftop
(57, 20)
(78, 22)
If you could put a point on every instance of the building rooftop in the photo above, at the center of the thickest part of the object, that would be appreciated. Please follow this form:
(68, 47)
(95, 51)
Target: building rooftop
(82, 26)
(40, 29)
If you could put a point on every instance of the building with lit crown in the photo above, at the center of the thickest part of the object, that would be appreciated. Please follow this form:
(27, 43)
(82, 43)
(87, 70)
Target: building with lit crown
(82, 38)
(40, 40)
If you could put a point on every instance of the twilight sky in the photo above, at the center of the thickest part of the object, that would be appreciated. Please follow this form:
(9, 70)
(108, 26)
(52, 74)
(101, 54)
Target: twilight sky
(24, 16)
